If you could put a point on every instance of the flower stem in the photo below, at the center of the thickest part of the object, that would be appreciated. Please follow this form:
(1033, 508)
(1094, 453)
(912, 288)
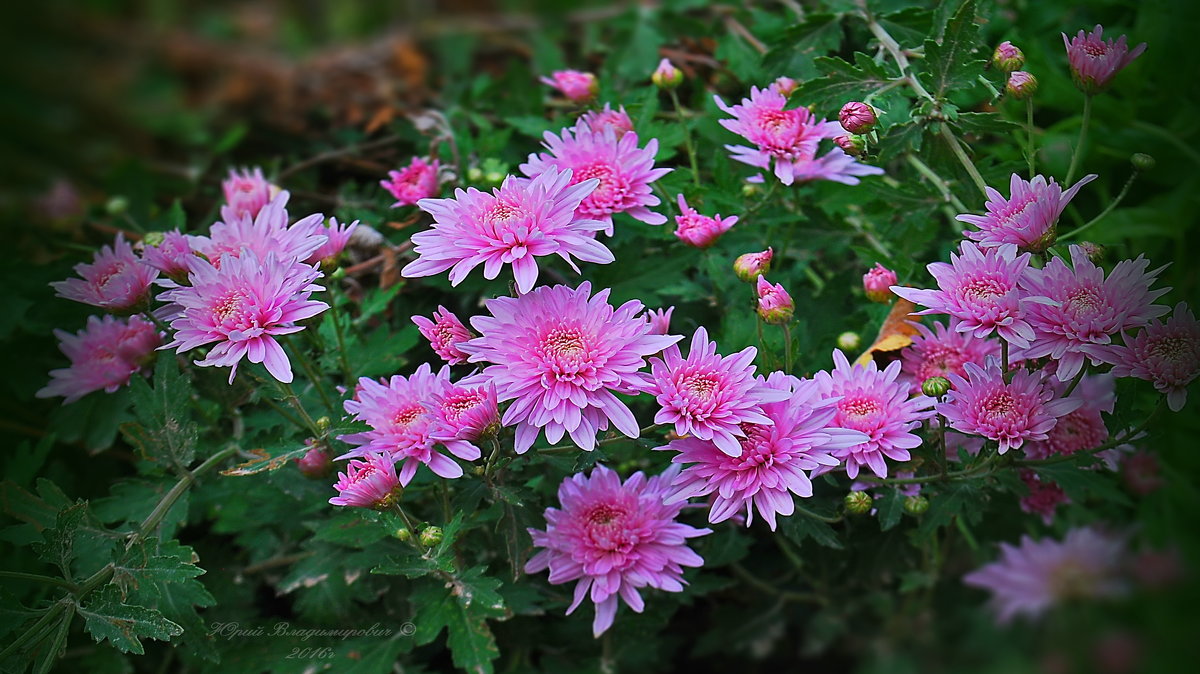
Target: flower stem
(1108, 209)
(989, 86)
(310, 372)
(1030, 152)
(49, 580)
(290, 394)
(787, 349)
(687, 139)
(1004, 360)
(1083, 129)
(937, 181)
(889, 43)
(952, 141)
(817, 516)
(1075, 382)
(341, 341)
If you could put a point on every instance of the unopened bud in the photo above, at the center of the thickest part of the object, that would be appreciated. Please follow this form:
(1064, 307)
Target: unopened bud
(935, 387)
(474, 174)
(775, 305)
(1007, 58)
(750, 266)
(1142, 161)
(1093, 251)
(666, 75)
(750, 189)
(1021, 85)
(857, 117)
(323, 423)
(858, 502)
(851, 144)
(431, 536)
(877, 283)
(154, 238)
(315, 463)
(849, 341)
(403, 534)
(117, 205)
(916, 505)
(785, 86)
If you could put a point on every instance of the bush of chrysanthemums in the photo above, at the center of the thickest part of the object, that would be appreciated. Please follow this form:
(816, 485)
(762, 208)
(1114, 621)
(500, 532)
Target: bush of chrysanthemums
(608, 393)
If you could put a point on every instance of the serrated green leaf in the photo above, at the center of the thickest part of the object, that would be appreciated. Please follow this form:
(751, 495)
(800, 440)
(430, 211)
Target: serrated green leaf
(165, 432)
(948, 61)
(58, 546)
(796, 49)
(890, 507)
(953, 501)
(841, 82)
(799, 527)
(124, 625)
(146, 563)
(982, 123)
(1080, 483)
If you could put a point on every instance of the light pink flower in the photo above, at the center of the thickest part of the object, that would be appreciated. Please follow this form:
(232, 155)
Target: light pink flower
(1023, 410)
(624, 170)
(266, 233)
(598, 120)
(750, 266)
(708, 395)
(576, 85)
(419, 180)
(614, 539)
(519, 221)
(114, 280)
(874, 403)
(243, 307)
(1094, 60)
(941, 352)
(784, 85)
(464, 414)
(104, 355)
(775, 305)
(560, 354)
(987, 290)
(699, 230)
(246, 192)
(336, 238)
(877, 283)
(170, 256)
(368, 484)
(789, 138)
(772, 458)
(1027, 218)
(445, 332)
(1167, 354)
(660, 320)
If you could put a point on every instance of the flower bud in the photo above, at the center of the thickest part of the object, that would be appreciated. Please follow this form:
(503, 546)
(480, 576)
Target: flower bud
(785, 86)
(1142, 161)
(851, 144)
(575, 85)
(154, 238)
(474, 174)
(431, 536)
(916, 505)
(1094, 251)
(750, 189)
(323, 423)
(857, 117)
(849, 341)
(315, 463)
(750, 266)
(858, 503)
(935, 387)
(403, 534)
(117, 205)
(1142, 473)
(877, 283)
(666, 75)
(1021, 85)
(1007, 58)
(775, 305)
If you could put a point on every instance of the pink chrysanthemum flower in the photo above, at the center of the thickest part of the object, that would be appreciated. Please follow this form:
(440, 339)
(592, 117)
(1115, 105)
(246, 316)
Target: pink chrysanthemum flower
(614, 539)
(878, 282)
(660, 320)
(1023, 410)
(1095, 61)
(1028, 218)
(243, 307)
(445, 332)
(104, 355)
(987, 290)
(114, 280)
(1083, 428)
(772, 458)
(699, 230)
(560, 354)
(419, 180)
(1167, 354)
(749, 266)
(1089, 308)
(941, 352)
(625, 172)
(775, 305)
(170, 256)
(789, 138)
(1043, 497)
(246, 192)
(1032, 578)
(368, 484)
(336, 238)
(266, 233)
(576, 85)
(874, 403)
(708, 395)
(463, 415)
(598, 120)
(519, 221)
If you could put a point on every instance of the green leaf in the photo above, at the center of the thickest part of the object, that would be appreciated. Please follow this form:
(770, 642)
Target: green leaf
(794, 52)
(266, 460)
(165, 432)
(841, 82)
(167, 583)
(948, 61)
(50, 649)
(982, 123)
(1080, 483)
(124, 625)
(58, 547)
(799, 527)
(890, 507)
(463, 609)
(954, 501)
(144, 563)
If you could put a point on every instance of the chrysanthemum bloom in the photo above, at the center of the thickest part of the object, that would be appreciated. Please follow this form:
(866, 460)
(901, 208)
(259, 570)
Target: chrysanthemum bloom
(614, 539)
(874, 403)
(1094, 60)
(708, 395)
(336, 238)
(598, 120)
(368, 484)
(170, 255)
(519, 221)
(1032, 578)
(789, 138)
(104, 355)
(576, 85)
(1028, 218)
(941, 352)
(1008, 58)
(243, 307)
(114, 280)
(463, 414)
(750, 266)
(266, 233)
(772, 458)
(246, 192)
(1089, 308)
(625, 171)
(1167, 354)
(1023, 410)
(666, 75)
(560, 354)
(660, 320)
(417, 181)
(699, 230)
(1021, 85)
(857, 117)
(1043, 497)
(784, 85)
(775, 305)
(877, 283)
(987, 290)
(445, 332)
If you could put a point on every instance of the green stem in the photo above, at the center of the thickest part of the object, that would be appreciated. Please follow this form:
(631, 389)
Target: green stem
(1030, 153)
(341, 341)
(1075, 382)
(1083, 129)
(37, 578)
(952, 141)
(687, 139)
(787, 349)
(1095, 450)
(1108, 209)
(290, 394)
(47, 618)
(937, 181)
(989, 86)
(816, 516)
(1008, 375)
(310, 372)
(164, 505)
(893, 47)
(786, 595)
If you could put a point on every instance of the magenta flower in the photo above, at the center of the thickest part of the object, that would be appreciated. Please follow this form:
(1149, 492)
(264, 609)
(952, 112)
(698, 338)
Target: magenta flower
(1043, 497)
(336, 238)
(775, 305)
(941, 352)
(445, 332)
(614, 539)
(708, 395)
(873, 403)
(878, 282)
(699, 230)
(368, 484)
(247, 192)
(1089, 308)
(660, 320)
(625, 172)
(750, 266)
(266, 233)
(1032, 578)
(170, 256)
(598, 120)
(1083, 428)
(1027, 219)
(115, 280)
(1023, 410)
(1094, 60)
(789, 138)
(1167, 354)
(520, 220)
(576, 85)
(560, 355)
(417, 181)
(243, 307)
(315, 463)
(464, 414)
(104, 355)
(987, 290)
(772, 458)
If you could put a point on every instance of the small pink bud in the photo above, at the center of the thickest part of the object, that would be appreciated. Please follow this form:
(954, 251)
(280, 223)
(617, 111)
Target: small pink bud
(1021, 85)
(599, 120)
(857, 117)
(1007, 57)
(315, 463)
(666, 75)
(574, 84)
(699, 230)
(851, 144)
(660, 320)
(785, 86)
(775, 305)
(1141, 473)
(750, 266)
(878, 282)
(1093, 251)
